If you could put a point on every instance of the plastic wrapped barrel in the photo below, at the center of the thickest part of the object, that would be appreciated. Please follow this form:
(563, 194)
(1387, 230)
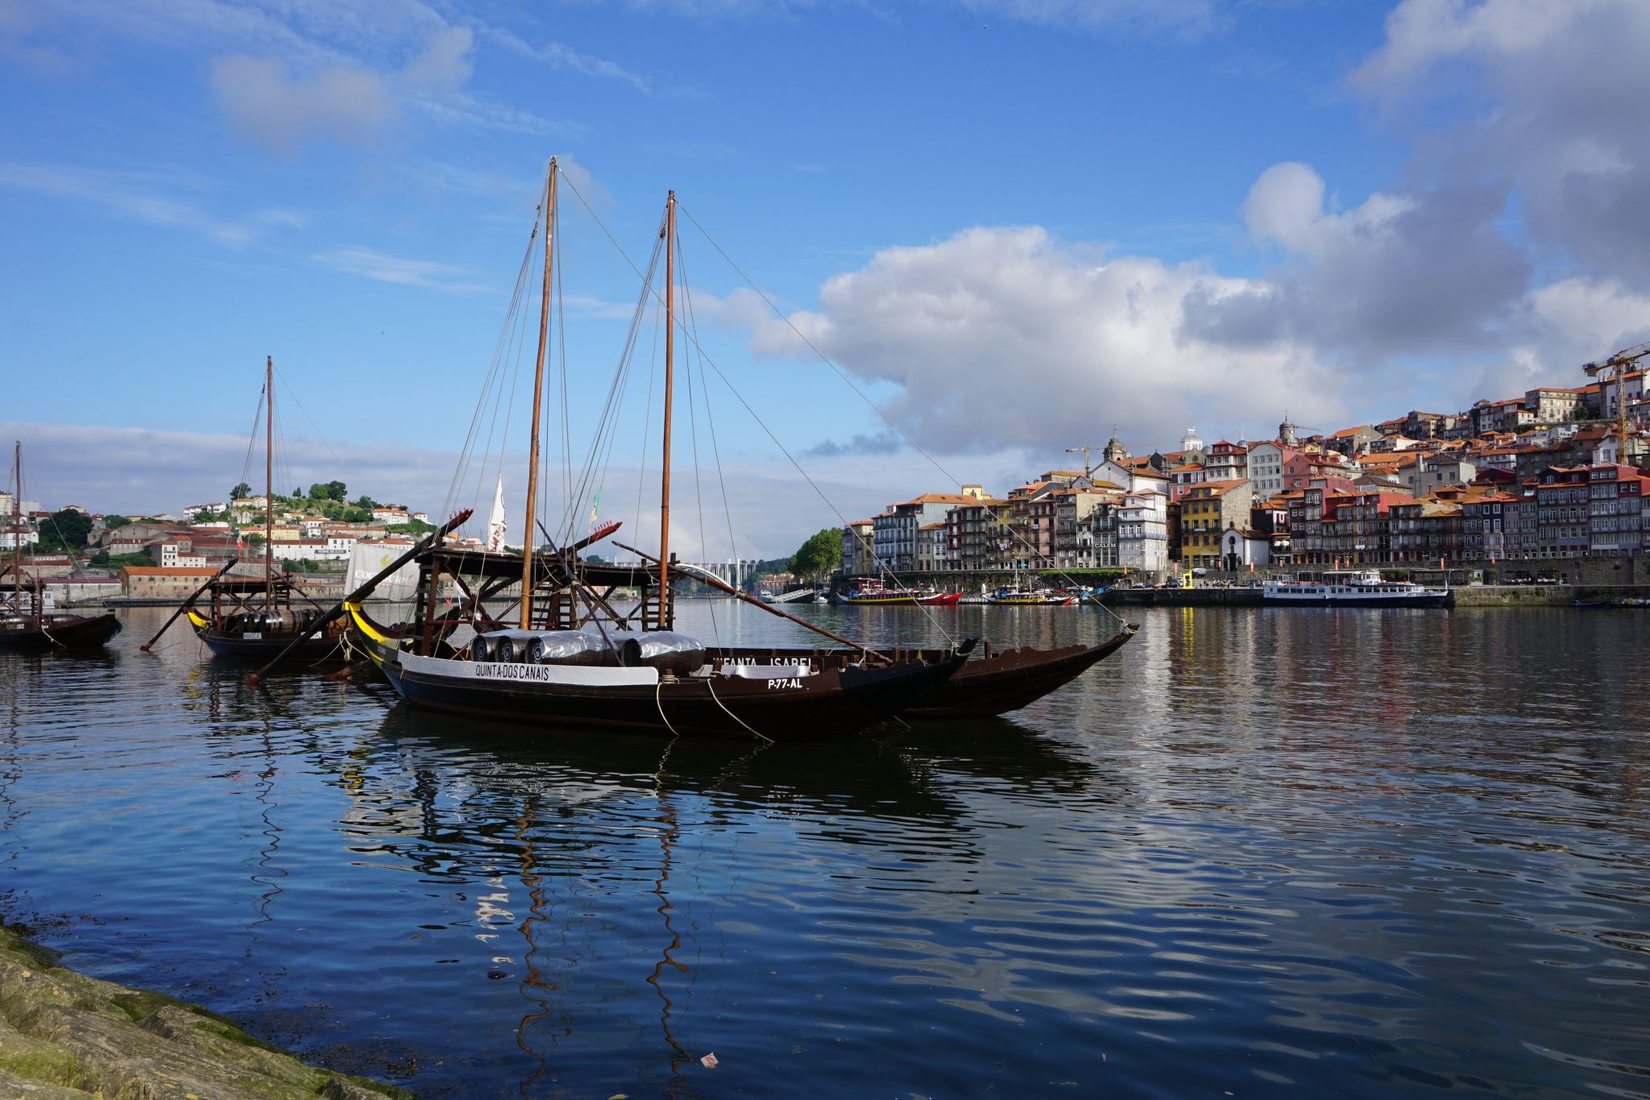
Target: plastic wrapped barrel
(560, 647)
(567, 647)
(665, 650)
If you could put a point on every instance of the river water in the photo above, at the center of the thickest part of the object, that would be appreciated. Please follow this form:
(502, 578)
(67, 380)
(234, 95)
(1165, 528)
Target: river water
(1343, 853)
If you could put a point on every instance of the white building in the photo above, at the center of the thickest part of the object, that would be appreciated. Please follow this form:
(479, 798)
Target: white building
(1143, 532)
(328, 549)
(1241, 550)
(1266, 468)
(179, 555)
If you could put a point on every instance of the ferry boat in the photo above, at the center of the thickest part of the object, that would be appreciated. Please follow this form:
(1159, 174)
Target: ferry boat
(1354, 588)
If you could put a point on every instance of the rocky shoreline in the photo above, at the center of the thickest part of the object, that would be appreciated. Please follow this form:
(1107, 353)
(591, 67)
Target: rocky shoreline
(65, 1036)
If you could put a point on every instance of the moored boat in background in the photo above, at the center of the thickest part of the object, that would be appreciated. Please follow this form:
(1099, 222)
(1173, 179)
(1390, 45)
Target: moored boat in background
(1353, 588)
(28, 622)
(258, 617)
(1022, 596)
(874, 592)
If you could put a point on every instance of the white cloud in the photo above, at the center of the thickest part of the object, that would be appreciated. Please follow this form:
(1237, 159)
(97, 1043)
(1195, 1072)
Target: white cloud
(1425, 271)
(1136, 16)
(1559, 93)
(560, 56)
(138, 197)
(1007, 338)
(445, 64)
(371, 264)
(22, 44)
(133, 471)
(1515, 246)
(136, 471)
(267, 105)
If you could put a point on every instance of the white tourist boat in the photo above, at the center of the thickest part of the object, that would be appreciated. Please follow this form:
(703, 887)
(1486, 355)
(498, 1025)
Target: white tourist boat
(1354, 588)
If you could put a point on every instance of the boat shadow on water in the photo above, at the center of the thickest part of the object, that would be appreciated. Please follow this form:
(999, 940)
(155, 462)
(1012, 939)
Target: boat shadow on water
(891, 771)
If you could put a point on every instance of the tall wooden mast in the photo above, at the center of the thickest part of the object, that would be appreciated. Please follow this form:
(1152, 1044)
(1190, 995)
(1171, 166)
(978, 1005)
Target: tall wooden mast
(538, 400)
(665, 618)
(17, 539)
(269, 481)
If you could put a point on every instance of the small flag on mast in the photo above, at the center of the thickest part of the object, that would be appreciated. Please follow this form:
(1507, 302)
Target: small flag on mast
(595, 507)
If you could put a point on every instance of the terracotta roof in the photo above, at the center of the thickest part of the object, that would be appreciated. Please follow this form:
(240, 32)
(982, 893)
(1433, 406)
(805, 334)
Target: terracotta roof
(937, 498)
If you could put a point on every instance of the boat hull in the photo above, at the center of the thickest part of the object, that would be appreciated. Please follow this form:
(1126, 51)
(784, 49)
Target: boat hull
(72, 633)
(1011, 679)
(266, 644)
(989, 683)
(240, 648)
(770, 704)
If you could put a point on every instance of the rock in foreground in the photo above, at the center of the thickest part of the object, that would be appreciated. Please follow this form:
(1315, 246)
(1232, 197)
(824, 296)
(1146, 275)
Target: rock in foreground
(64, 1036)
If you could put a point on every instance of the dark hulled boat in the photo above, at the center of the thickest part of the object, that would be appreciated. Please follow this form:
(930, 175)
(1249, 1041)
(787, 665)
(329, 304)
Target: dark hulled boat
(248, 618)
(22, 630)
(991, 682)
(256, 618)
(26, 626)
(577, 659)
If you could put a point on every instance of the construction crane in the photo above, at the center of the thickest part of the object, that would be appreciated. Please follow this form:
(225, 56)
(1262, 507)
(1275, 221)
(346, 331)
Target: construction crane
(1084, 450)
(1618, 364)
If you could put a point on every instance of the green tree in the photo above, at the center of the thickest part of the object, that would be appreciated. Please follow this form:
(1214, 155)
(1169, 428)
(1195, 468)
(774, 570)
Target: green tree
(114, 523)
(337, 491)
(819, 555)
(366, 502)
(66, 528)
(241, 491)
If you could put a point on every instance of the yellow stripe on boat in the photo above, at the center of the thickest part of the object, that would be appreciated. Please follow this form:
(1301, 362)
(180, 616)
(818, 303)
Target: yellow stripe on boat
(197, 620)
(365, 626)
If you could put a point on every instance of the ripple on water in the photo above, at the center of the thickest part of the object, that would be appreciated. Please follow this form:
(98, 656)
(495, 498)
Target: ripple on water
(1344, 855)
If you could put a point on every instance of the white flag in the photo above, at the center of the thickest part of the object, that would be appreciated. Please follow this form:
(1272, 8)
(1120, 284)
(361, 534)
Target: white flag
(495, 522)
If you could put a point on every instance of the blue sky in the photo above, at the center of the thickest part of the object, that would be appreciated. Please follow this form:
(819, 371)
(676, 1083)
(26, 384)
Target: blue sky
(1016, 224)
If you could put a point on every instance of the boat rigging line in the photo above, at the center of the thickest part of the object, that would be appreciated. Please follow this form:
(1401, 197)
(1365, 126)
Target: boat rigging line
(884, 417)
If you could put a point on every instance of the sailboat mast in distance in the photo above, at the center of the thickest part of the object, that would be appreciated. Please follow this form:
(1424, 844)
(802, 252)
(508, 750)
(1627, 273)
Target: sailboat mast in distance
(269, 481)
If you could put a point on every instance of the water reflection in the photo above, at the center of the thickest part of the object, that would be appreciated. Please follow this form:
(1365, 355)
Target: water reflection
(1344, 853)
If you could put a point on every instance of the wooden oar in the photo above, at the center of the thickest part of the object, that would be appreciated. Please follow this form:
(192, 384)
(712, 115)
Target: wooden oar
(360, 593)
(714, 581)
(187, 604)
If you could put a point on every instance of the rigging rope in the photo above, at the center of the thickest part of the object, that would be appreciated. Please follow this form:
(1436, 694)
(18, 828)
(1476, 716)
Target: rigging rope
(914, 445)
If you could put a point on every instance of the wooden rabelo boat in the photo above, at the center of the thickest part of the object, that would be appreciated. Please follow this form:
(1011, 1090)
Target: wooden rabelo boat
(573, 659)
(257, 617)
(26, 626)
